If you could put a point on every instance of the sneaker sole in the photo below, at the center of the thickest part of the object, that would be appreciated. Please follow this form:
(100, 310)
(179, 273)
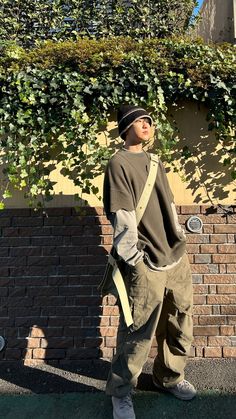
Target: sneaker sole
(168, 390)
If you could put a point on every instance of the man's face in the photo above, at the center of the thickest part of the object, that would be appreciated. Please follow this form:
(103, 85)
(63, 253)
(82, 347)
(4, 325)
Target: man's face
(139, 131)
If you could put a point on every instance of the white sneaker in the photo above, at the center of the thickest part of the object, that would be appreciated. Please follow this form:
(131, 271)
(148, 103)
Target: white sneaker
(183, 390)
(123, 407)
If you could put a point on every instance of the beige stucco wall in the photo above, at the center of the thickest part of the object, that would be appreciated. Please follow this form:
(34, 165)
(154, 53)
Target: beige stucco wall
(217, 21)
(201, 180)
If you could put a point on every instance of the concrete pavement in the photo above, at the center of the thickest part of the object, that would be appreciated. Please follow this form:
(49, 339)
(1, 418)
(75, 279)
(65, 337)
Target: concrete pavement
(77, 391)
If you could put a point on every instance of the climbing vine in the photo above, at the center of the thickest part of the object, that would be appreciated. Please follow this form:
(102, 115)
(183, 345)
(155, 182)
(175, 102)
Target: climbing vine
(57, 97)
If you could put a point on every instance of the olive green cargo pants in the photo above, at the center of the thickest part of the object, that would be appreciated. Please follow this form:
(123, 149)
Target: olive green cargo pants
(161, 303)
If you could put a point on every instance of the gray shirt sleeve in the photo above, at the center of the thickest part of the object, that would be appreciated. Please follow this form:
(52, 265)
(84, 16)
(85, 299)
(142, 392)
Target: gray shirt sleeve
(125, 237)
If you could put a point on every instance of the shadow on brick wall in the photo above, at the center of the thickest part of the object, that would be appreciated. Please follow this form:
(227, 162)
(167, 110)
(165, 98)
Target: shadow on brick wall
(51, 309)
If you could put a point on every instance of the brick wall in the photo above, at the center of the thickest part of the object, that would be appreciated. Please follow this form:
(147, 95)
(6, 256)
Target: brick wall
(50, 268)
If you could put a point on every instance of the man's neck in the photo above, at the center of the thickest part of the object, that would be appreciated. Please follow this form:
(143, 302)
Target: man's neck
(136, 148)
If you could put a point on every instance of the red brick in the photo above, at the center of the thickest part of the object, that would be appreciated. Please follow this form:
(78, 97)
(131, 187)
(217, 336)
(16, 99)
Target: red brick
(39, 353)
(201, 268)
(195, 320)
(34, 231)
(225, 228)
(36, 291)
(199, 299)
(232, 319)
(68, 231)
(27, 221)
(212, 320)
(227, 248)
(208, 248)
(46, 241)
(212, 352)
(25, 251)
(54, 354)
(219, 279)
(34, 271)
(212, 289)
(192, 248)
(98, 250)
(203, 258)
(33, 343)
(36, 332)
(55, 212)
(221, 299)
(99, 210)
(49, 301)
(197, 238)
(56, 342)
(226, 330)
(200, 289)
(68, 260)
(218, 238)
(106, 229)
(206, 331)
(114, 321)
(107, 240)
(110, 342)
(27, 354)
(213, 219)
(208, 228)
(231, 268)
(5, 222)
(102, 220)
(108, 331)
(199, 352)
(199, 309)
(20, 302)
(190, 209)
(12, 354)
(222, 268)
(216, 310)
(107, 353)
(219, 341)
(229, 309)
(110, 310)
(191, 258)
(6, 321)
(13, 261)
(105, 321)
(200, 341)
(229, 352)
(226, 289)
(111, 300)
(53, 221)
(231, 238)
(223, 258)
(183, 218)
(29, 321)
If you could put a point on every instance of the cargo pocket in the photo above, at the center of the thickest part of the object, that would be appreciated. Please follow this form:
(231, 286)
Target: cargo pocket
(138, 293)
(180, 330)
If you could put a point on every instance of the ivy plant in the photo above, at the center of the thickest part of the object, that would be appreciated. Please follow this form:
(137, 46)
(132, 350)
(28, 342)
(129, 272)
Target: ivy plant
(56, 98)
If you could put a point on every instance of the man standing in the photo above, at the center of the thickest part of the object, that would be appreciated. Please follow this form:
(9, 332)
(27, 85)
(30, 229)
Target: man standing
(154, 265)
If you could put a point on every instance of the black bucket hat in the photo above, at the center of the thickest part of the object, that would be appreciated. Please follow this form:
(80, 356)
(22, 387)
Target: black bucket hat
(127, 115)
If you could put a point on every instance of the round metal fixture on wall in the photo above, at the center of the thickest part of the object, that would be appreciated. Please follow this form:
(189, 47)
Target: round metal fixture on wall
(194, 224)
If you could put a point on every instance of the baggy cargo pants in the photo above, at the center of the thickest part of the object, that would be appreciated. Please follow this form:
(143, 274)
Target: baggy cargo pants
(161, 303)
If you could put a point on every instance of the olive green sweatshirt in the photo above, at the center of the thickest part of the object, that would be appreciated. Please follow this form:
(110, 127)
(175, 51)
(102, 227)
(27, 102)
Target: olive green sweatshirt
(160, 238)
